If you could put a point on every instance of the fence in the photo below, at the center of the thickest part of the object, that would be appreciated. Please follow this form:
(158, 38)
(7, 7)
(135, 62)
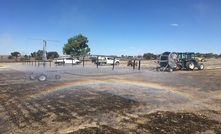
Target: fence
(135, 64)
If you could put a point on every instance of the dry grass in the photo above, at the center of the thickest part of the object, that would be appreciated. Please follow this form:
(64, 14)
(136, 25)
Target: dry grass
(146, 102)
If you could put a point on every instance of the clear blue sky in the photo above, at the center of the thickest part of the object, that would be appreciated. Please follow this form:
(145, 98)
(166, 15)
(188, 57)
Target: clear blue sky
(113, 27)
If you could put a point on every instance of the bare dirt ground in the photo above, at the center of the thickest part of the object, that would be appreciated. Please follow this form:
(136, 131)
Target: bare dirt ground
(101, 100)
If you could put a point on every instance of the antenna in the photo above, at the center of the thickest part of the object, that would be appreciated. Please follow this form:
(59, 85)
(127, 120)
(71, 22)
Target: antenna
(44, 58)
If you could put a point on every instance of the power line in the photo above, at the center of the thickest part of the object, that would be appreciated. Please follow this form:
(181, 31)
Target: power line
(43, 39)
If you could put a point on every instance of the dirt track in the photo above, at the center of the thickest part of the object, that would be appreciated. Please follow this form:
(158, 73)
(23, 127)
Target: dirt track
(102, 100)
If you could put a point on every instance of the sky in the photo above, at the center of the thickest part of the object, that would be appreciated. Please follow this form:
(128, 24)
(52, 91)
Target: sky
(113, 27)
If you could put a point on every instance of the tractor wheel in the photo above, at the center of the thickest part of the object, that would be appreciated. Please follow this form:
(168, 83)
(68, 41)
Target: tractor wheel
(200, 66)
(42, 77)
(190, 65)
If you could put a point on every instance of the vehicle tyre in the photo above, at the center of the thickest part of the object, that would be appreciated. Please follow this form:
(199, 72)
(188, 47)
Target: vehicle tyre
(42, 77)
(31, 77)
(190, 65)
(170, 69)
(57, 76)
(200, 66)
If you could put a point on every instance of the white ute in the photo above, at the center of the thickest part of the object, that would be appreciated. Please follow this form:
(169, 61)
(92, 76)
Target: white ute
(66, 61)
(107, 60)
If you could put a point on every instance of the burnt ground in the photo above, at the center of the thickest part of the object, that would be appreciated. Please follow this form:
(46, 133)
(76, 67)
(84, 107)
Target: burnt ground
(107, 108)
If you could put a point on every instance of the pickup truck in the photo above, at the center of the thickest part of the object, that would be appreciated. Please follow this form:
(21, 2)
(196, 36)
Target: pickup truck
(66, 61)
(107, 60)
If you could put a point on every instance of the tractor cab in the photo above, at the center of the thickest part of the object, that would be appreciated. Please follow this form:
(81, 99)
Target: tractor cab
(186, 56)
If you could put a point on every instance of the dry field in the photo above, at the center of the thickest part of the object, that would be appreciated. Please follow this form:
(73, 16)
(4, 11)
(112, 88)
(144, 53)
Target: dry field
(89, 100)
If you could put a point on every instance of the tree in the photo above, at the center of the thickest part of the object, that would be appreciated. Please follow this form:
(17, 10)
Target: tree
(25, 58)
(37, 55)
(198, 54)
(33, 54)
(149, 56)
(208, 55)
(76, 46)
(10, 57)
(15, 54)
(52, 55)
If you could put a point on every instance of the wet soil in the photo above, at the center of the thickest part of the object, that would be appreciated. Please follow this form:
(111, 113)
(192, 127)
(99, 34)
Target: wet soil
(28, 107)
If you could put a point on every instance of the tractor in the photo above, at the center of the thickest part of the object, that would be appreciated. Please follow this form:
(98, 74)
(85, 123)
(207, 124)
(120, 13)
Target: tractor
(170, 61)
(188, 61)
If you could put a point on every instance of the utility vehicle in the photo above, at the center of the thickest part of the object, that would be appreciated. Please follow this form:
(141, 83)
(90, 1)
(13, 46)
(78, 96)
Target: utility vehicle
(68, 60)
(106, 61)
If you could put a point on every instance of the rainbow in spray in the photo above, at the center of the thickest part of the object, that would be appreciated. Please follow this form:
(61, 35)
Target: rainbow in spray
(74, 85)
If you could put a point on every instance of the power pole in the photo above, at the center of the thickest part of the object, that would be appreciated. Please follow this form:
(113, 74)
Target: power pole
(44, 57)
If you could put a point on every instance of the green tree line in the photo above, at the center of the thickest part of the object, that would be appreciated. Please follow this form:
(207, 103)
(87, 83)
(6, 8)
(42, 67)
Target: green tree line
(37, 55)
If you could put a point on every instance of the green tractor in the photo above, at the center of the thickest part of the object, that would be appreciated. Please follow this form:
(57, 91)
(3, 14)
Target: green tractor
(188, 61)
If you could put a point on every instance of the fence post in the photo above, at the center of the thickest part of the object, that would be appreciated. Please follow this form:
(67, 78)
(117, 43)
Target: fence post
(72, 62)
(83, 61)
(134, 65)
(44, 63)
(113, 64)
(139, 65)
(97, 61)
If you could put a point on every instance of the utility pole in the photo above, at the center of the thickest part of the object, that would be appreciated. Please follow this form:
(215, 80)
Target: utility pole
(44, 57)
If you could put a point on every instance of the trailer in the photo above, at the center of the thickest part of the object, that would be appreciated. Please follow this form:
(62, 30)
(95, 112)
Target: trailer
(44, 75)
(167, 61)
